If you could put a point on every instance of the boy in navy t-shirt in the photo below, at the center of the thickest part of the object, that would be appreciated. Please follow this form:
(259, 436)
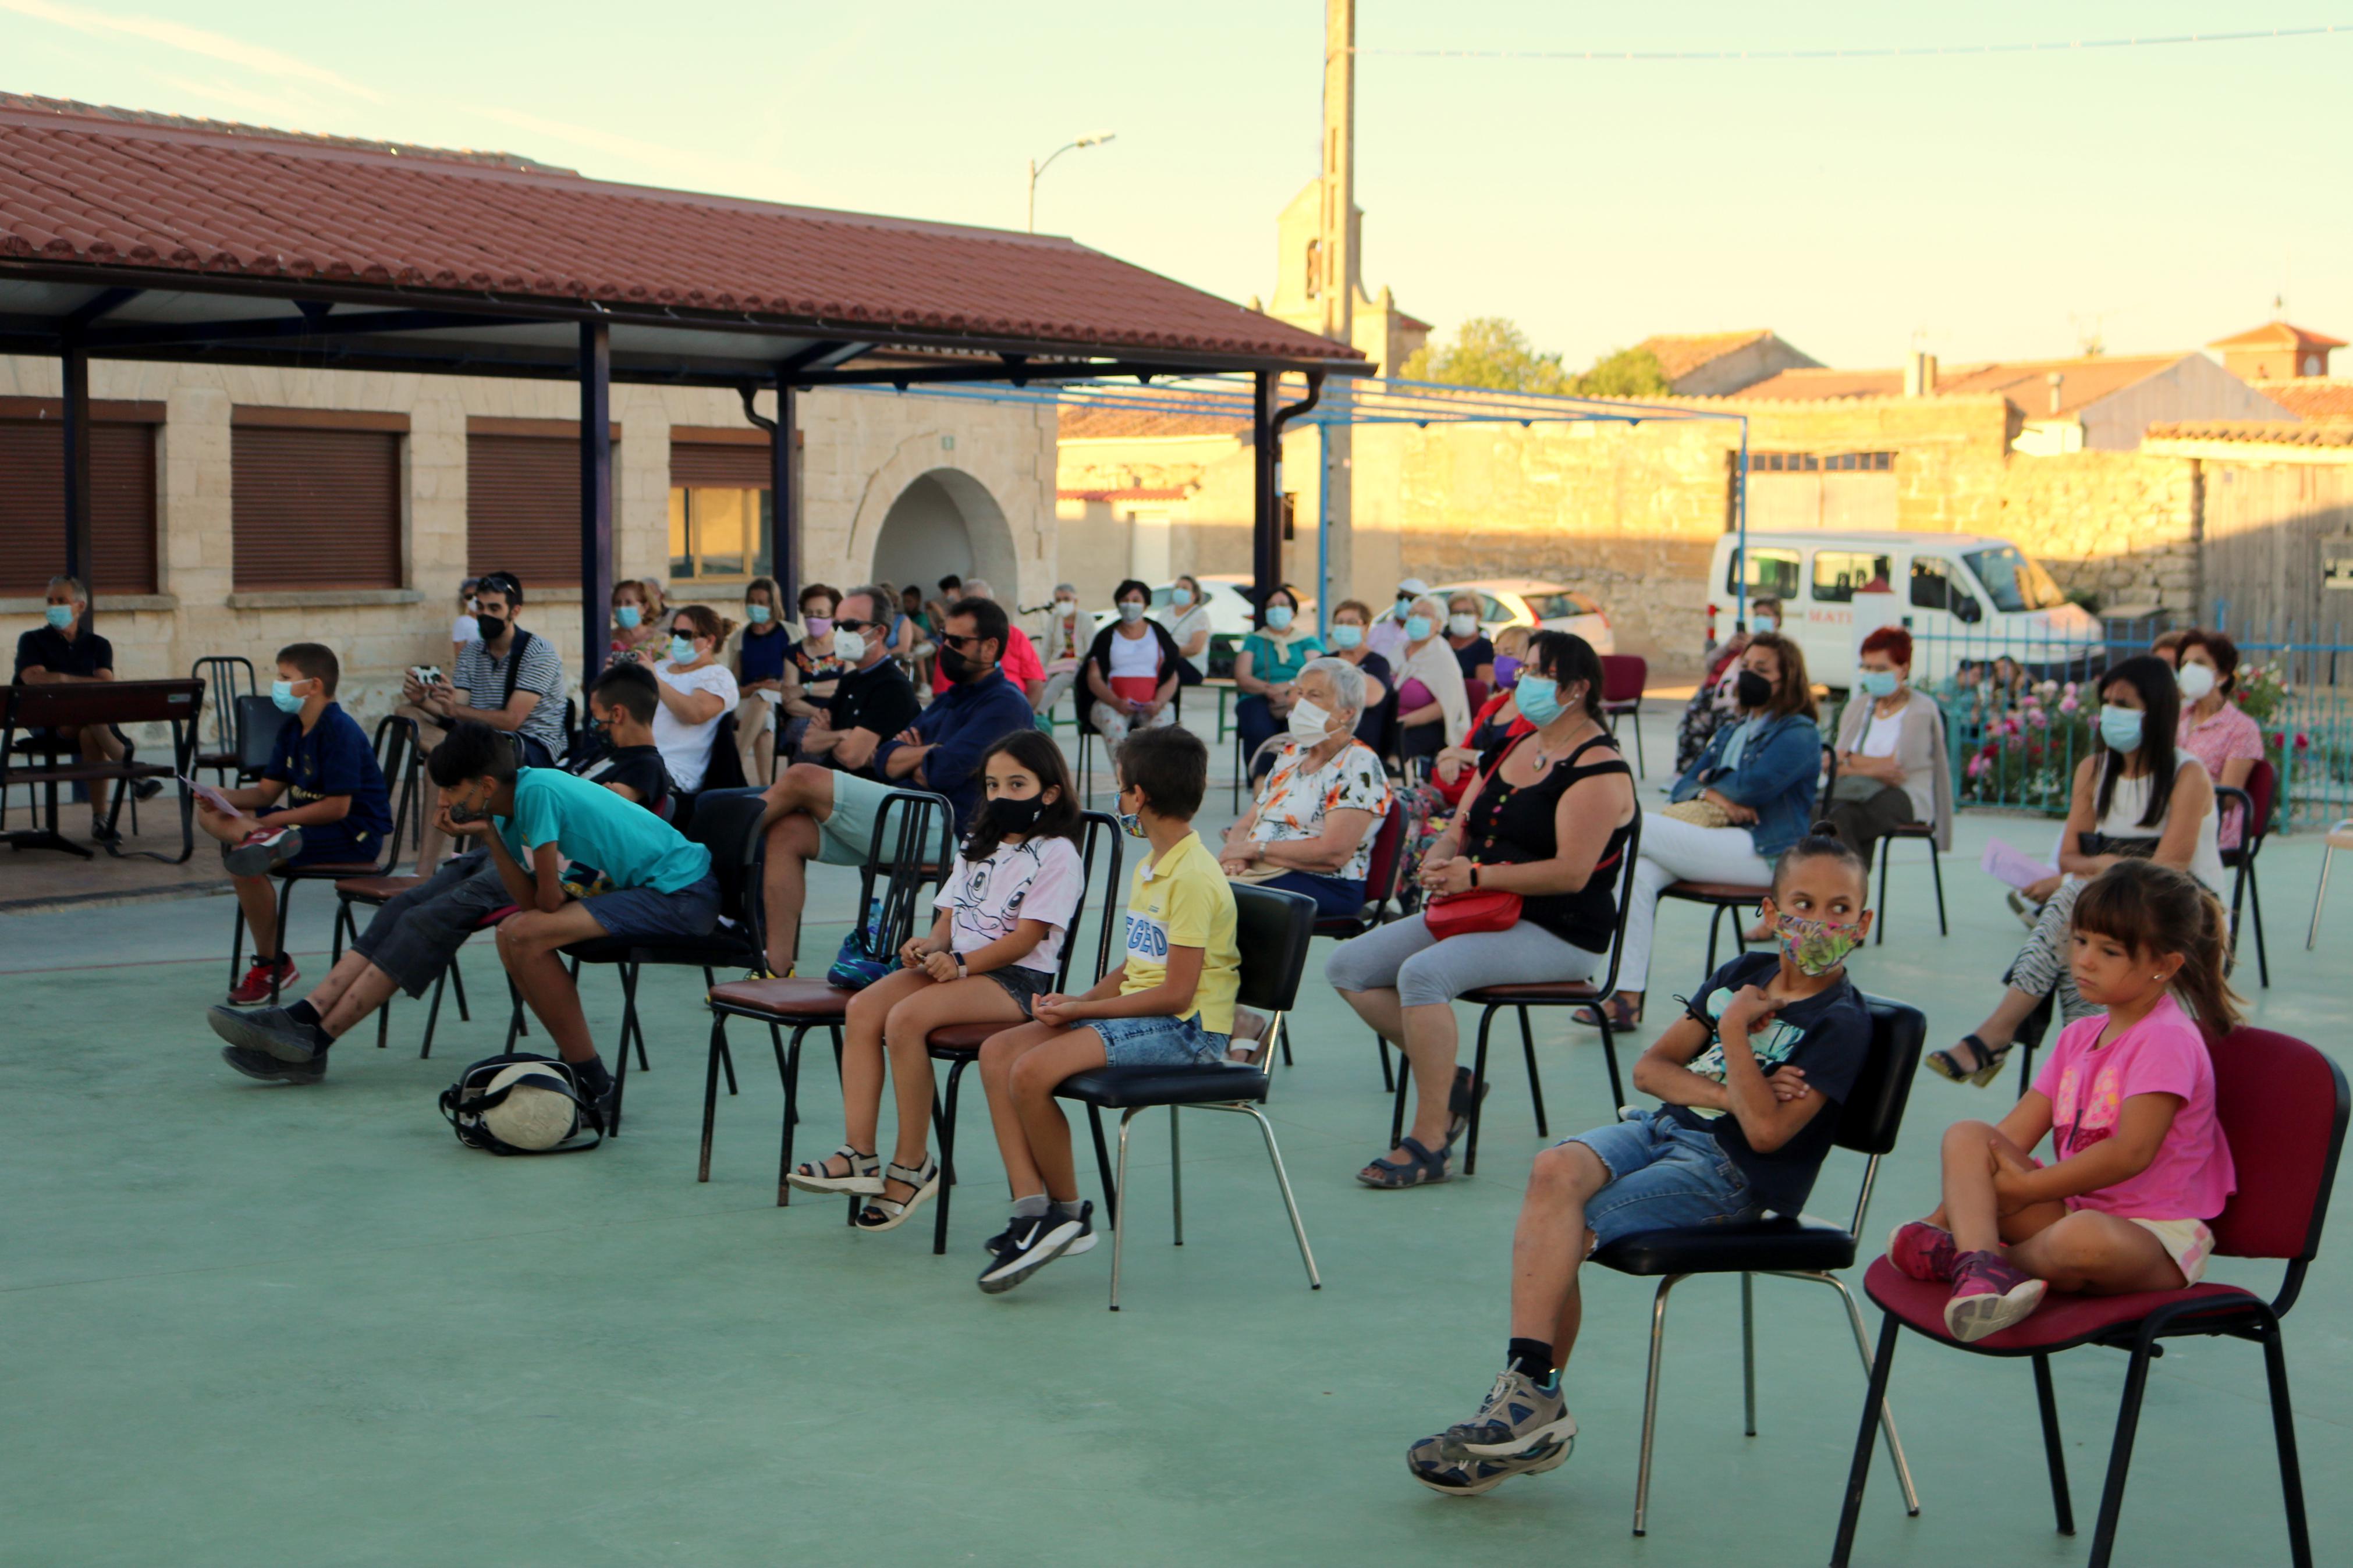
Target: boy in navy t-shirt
(321, 802)
(1751, 1077)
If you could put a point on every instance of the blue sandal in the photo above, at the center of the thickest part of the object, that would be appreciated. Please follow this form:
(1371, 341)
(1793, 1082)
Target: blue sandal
(1421, 1169)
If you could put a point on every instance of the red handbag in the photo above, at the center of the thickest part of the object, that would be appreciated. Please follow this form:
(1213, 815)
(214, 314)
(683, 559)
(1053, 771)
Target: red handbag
(1466, 913)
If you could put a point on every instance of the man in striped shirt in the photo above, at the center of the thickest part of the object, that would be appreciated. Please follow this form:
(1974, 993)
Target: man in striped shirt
(507, 678)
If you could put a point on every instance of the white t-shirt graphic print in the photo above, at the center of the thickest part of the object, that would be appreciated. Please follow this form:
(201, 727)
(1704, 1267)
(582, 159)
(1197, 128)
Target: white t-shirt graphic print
(1041, 879)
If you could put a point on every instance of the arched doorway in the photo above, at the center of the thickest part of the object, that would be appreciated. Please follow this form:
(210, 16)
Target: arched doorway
(945, 521)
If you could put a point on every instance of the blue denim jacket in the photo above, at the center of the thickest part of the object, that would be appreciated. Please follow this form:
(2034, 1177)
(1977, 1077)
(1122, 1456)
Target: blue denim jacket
(1777, 779)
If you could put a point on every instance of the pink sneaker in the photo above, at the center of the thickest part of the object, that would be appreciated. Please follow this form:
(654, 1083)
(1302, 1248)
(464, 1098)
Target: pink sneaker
(1989, 1295)
(1922, 1251)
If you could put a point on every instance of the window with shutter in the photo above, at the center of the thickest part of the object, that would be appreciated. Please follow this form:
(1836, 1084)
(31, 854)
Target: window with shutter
(315, 508)
(522, 507)
(33, 506)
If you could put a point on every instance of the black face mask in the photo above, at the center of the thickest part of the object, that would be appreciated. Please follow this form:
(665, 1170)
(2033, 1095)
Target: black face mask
(1009, 816)
(492, 628)
(1752, 690)
(957, 667)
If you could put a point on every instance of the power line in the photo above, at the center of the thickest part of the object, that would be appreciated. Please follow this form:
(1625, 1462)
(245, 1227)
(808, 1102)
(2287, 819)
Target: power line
(1893, 51)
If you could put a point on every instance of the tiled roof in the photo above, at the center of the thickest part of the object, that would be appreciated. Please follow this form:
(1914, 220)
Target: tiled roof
(86, 185)
(1169, 492)
(2269, 432)
(1680, 354)
(2025, 382)
(2312, 397)
(1809, 385)
(2278, 335)
(1136, 423)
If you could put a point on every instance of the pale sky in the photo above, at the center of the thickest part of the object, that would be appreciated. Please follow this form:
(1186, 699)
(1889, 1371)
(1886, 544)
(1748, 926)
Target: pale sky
(1989, 206)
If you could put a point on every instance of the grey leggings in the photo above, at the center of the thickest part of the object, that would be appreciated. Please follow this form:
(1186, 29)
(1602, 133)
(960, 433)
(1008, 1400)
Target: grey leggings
(1426, 970)
(2042, 965)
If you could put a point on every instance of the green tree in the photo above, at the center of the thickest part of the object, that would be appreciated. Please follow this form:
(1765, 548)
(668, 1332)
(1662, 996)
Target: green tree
(1628, 373)
(1490, 352)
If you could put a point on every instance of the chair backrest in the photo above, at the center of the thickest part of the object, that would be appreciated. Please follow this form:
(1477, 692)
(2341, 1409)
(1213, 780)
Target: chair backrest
(1272, 928)
(1830, 776)
(2263, 788)
(258, 724)
(226, 678)
(1388, 862)
(914, 844)
(1873, 1111)
(2282, 1105)
(1102, 849)
(1475, 693)
(723, 769)
(1623, 677)
(728, 826)
(396, 754)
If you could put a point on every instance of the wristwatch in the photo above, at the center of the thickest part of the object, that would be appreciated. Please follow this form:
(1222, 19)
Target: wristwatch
(960, 968)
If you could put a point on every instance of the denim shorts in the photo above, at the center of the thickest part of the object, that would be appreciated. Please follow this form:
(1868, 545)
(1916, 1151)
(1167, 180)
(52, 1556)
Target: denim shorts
(1024, 984)
(1160, 1042)
(650, 913)
(1662, 1176)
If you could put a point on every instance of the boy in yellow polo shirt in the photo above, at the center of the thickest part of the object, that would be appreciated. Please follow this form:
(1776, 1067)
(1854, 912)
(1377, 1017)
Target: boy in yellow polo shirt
(1170, 1006)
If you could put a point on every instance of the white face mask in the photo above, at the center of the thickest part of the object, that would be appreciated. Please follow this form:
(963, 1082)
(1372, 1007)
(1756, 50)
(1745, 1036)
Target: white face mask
(1461, 626)
(1309, 723)
(1068, 610)
(2196, 680)
(850, 646)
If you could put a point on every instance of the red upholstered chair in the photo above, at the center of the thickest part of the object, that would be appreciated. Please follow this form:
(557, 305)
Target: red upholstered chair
(2283, 1105)
(1623, 677)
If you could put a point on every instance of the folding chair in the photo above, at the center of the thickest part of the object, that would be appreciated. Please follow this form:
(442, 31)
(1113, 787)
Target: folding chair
(959, 1043)
(2253, 804)
(1787, 1247)
(2283, 1107)
(226, 678)
(396, 755)
(1623, 677)
(1273, 930)
(1492, 999)
(919, 830)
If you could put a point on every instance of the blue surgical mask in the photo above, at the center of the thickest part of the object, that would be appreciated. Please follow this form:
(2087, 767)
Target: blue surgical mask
(682, 649)
(628, 616)
(757, 613)
(2120, 727)
(1418, 627)
(1765, 623)
(1131, 611)
(1538, 696)
(1180, 597)
(1278, 618)
(59, 616)
(1345, 637)
(1877, 682)
(282, 692)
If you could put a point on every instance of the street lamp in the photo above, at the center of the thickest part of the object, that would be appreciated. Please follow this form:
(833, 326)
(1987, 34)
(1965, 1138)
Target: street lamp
(1094, 139)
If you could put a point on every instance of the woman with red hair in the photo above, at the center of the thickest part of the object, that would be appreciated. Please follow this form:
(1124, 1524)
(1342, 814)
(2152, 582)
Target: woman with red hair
(1891, 766)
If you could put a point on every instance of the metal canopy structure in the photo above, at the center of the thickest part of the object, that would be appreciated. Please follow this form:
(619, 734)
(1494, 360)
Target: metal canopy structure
(127, 235)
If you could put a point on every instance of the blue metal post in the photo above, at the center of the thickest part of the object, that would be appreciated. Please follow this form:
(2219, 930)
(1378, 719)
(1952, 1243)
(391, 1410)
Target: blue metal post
(1323, 531)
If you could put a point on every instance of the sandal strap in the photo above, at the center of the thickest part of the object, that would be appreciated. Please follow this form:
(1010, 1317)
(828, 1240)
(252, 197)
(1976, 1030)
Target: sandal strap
(914, 1177)
(859, 1164)
(1421, 1154)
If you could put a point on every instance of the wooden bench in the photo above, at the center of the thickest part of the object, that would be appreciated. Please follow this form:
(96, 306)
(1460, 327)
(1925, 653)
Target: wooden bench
(73, 704)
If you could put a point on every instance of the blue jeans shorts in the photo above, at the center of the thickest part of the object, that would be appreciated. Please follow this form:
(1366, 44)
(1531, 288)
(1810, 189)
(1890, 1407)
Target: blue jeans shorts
(650, 913)
(1662, 1176)
(1158, 1042)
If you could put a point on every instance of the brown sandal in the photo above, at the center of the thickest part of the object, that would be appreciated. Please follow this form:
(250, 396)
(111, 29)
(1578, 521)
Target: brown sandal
(1624, 1013)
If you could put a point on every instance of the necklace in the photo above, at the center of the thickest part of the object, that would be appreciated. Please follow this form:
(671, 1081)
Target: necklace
(1544, 758)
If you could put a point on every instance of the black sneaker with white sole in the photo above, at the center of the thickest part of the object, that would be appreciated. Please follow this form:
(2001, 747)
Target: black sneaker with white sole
(1034, 1242)
(996, 1245)
(270, 1069)
(271, 1031)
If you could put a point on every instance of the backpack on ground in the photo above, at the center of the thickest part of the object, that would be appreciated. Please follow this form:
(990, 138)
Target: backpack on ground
(523, 1104)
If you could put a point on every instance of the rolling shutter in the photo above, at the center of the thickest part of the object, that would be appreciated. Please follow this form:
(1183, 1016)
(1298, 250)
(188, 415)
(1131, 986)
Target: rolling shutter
(315, 508)
(729, 465)
(522, 509)
(33, 507)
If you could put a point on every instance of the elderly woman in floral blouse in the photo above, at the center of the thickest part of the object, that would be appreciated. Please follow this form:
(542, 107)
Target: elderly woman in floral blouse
(1311, 829)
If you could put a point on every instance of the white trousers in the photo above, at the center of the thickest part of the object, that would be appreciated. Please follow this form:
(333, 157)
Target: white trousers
(1675, 851)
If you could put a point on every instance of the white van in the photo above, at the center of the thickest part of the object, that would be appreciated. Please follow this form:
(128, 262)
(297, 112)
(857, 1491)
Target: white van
(1969, 596)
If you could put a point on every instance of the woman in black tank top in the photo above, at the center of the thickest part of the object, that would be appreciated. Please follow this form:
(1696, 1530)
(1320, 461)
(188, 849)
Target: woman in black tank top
(1548, 821)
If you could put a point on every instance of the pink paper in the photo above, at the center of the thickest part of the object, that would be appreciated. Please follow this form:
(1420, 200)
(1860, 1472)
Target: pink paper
(2013, 866)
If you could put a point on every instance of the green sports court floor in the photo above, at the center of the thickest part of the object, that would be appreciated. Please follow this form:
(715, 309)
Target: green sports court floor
(248, 1324)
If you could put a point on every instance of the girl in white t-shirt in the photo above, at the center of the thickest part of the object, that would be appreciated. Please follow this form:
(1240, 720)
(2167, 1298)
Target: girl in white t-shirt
(997, 946)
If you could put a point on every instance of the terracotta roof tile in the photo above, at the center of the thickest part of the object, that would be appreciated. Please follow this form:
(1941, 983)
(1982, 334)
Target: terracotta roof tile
(1680, 354)
(2278, 335)
(2312, 397)
(1809, 385)
(1169, 492)
(81, 186)
(2025, 382)
(1133, 424)
(2269, 432)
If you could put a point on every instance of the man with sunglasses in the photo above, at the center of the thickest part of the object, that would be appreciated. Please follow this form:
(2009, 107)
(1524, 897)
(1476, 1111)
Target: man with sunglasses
(829, 816)
(874, 700)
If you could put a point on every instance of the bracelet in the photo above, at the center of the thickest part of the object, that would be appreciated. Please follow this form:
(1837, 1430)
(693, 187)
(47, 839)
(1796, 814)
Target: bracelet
(1474, 873)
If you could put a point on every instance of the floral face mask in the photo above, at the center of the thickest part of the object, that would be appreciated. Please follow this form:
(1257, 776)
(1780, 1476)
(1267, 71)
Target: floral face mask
(1816, 947)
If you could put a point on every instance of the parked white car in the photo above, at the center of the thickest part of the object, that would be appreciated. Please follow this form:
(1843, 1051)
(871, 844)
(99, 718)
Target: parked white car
(1548, 607)
(1962, 595)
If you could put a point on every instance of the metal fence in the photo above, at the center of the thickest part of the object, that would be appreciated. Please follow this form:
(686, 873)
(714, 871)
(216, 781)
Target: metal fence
(2019, 710)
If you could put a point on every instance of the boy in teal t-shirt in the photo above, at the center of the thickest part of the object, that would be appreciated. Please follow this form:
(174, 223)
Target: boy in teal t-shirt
(633, 875)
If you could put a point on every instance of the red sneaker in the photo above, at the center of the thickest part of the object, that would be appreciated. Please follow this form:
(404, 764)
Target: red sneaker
(1922, 1251)
(1990, 1294)
(254, 989)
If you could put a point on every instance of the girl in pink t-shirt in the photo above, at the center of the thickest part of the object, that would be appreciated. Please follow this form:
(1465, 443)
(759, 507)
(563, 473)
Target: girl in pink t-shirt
(996, 946)
(2140, 1163)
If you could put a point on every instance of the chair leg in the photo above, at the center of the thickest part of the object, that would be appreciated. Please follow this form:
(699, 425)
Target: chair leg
(1748, 1354)
(711, 1091)
(792, 1073)
(432, 1016)
(1119, 1212)
(1886, 1415)
(1112, 1188)
(1937, 871)
(1478, 1096)
(1640, 767)
(1886, 850)
(1535, 1080)
(1397, 1105)
(2054, 1453)
(1650, 1402)
(1609, 1052)
(457, 983)
(1290, 1203)
(2112, 1490)
(2319, 896)
(2299, 1535)
(1875, 1403)
(1176, 1178)
(285, 901)
(2255, 912)
(1389, 1082)
(237, 927)
(944, 1118)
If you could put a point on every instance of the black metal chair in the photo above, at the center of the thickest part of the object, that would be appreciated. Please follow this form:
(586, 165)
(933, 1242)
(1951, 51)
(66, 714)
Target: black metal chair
(1272, 929)
(959, 1045)
(2283, 1107)
(1925, 832)
(1787, 1247)
(1384, 878)
(226, 678)
(1492, 999)
(919, 830)
(2253, 803)
(397, 756)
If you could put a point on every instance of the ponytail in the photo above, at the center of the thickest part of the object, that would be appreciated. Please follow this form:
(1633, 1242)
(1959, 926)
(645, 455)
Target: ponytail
(2155, 909)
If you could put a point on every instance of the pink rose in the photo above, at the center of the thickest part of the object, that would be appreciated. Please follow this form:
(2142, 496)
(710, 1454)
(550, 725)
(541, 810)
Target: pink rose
(2068, 704)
